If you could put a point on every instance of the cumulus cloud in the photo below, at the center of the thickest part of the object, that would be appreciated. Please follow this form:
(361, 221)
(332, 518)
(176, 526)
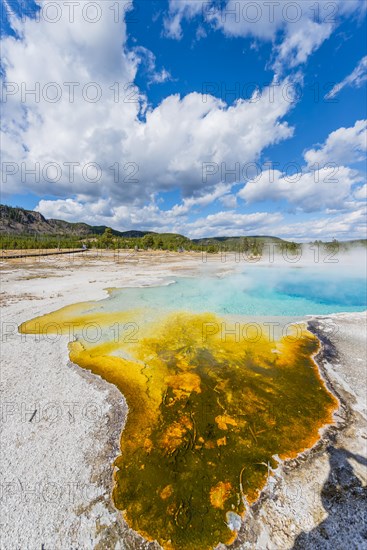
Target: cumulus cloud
(327, 188)
(232, 223)
(355, 79)
(178, 11)
(229, 201)
(324, 182)
(301, 26)
(72, 115)
(300, 41)
(345, 145)
(188, 205)
(105, 212)
(361, 193)
(350, 225)
(100, 138)
(150, 217)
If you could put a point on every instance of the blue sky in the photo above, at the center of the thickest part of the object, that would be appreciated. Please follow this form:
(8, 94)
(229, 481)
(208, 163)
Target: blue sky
(173, 136)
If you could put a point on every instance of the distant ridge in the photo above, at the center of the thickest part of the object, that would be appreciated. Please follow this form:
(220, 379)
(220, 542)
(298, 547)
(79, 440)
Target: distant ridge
(18, 221)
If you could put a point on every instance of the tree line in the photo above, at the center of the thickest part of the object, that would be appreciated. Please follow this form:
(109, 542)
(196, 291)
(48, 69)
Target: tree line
(253, 246)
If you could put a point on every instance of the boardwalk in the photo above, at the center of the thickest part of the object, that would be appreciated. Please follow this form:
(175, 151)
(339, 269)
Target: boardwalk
(32, 254)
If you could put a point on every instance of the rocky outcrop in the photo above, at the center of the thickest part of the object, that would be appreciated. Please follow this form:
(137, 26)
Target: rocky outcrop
(18, 221)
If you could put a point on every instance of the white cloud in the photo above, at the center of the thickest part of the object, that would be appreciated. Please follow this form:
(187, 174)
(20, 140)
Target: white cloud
(104, 212)
(324, 183)
(178, 11)
(139, 151)
(301, 35)
(302, 26)
(190, 204)
(200, 33)
(351, 225)
(301, 40)
(229, 201)
(148, 60)
(355, 79)
(74, 128)
(361, 193)
(309, 191)
(345, 145)
(161, 76)
(231, 223)
(152, 218)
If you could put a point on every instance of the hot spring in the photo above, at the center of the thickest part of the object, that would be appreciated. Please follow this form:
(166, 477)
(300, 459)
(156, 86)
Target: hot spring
(211, 408)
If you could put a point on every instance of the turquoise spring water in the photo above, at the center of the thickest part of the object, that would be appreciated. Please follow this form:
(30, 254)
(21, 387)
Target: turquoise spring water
(255, 291)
